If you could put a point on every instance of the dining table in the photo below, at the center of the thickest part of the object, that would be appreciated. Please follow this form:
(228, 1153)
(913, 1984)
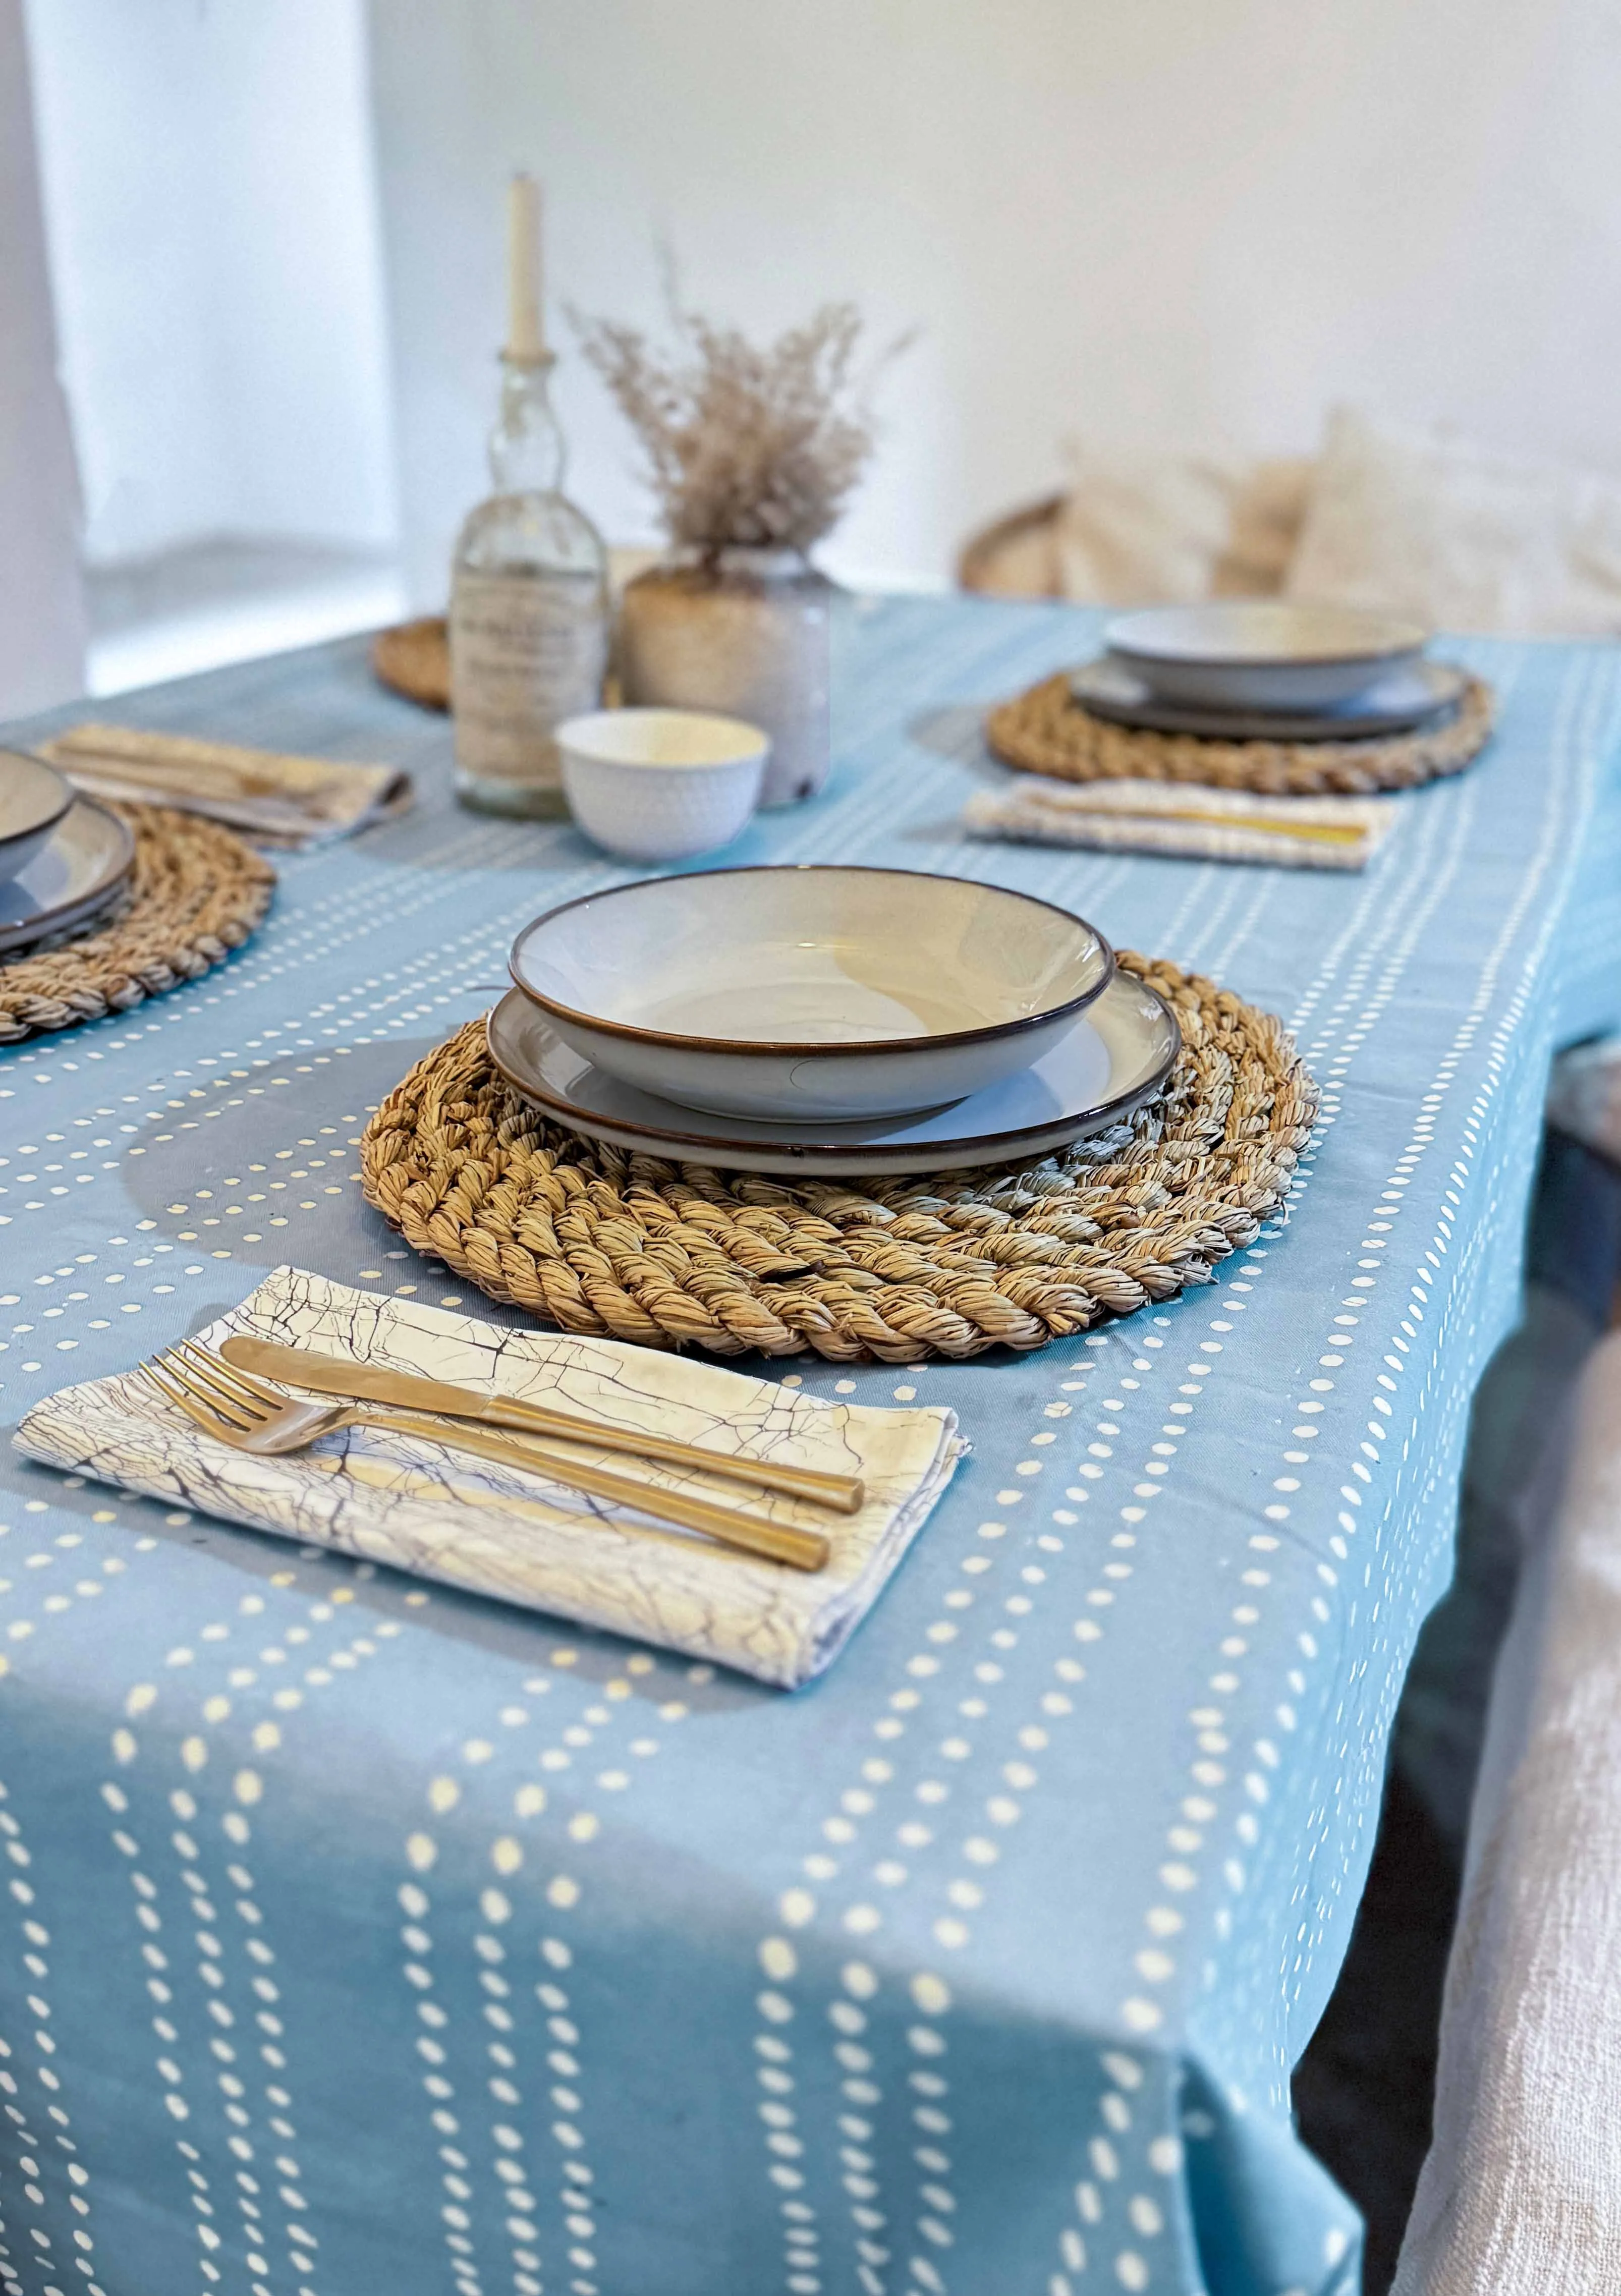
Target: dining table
(361, 1934)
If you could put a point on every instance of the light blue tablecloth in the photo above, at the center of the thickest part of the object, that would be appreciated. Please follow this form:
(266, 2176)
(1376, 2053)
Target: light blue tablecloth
(358, 1937)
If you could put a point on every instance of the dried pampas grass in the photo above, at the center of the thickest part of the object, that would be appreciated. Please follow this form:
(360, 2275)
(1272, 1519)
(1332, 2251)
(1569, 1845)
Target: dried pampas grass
(745, 447)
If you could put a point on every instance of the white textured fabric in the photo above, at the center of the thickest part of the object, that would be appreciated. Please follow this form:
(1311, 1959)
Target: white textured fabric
(1584, 1095)
(1468, 538)
(1190, 819)
(1521, 2193)
(424, 1507)
(1170, 528)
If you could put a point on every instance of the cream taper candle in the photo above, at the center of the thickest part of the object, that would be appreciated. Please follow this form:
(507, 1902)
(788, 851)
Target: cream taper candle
(524, 334)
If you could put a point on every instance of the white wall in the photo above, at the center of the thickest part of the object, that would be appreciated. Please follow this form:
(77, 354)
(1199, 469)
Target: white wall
(214, 237)
(1170, 221)
(42, 621)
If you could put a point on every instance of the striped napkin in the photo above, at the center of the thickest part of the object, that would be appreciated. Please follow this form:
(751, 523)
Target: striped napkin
(279, 799)
(423, 1507)
(1185, 818)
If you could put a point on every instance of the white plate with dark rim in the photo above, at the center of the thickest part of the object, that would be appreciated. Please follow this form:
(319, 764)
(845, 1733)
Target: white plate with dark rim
(1263, 653)
(811, 994)
(1415, 695)
(1117, 1055)
(80, 871)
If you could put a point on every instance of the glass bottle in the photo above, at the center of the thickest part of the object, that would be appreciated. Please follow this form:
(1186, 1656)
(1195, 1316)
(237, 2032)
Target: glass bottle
(528, 610)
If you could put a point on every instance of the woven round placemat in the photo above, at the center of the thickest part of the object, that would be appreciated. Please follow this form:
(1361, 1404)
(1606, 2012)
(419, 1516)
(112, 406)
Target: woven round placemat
(414, 659)
(594, 1240)
(197, 893)
(1047, 731)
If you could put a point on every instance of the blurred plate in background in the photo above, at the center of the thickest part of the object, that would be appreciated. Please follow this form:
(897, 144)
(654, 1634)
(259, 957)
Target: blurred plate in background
(1415, 695)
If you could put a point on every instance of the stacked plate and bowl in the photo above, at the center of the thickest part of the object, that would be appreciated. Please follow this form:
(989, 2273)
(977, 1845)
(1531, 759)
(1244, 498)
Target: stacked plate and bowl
(1266, 671)
(64, 859)
(827, 1021)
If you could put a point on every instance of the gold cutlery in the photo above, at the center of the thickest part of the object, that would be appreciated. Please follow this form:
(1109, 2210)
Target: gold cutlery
(1090, 801)
(359, 1382)
(1323, 832)
(238, 1409)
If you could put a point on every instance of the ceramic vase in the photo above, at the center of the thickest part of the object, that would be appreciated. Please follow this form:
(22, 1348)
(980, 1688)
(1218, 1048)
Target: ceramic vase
(744, 631)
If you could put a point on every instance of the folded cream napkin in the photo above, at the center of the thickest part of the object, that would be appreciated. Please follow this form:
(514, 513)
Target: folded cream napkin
(284, 801)
(1186, 818)
(425, 1508)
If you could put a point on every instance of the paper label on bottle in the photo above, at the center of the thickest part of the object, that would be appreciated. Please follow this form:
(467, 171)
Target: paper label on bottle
(525, 651)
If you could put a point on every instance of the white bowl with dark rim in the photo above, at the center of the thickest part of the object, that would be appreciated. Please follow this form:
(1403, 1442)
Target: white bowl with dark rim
(33, 802)
(836, 993)
(1263, 653)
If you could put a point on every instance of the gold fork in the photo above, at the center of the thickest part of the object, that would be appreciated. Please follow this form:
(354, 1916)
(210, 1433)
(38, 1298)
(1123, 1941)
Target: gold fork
(238, 1409)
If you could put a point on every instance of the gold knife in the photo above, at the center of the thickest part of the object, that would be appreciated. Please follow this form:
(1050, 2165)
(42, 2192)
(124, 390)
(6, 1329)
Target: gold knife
(750, 1534)
(324, 1374)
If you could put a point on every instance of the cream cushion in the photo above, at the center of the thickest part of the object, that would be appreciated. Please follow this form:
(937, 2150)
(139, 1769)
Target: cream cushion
(1170, 528)
(1465, 537)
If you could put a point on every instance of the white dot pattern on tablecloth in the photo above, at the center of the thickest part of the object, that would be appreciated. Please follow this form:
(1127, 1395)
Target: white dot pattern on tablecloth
(538, 2048)
(1155, 1962)
(1163, 1923)
(246, 2104)
(32, 2099)
(884, 1897)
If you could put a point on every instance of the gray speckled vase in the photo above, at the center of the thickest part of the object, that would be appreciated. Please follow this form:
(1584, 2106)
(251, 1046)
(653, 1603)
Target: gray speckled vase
(744, 631)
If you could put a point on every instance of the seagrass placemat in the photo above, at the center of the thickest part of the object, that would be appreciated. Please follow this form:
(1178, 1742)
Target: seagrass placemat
(196, 893)
(414, 659)
(594, 1239)
(1047, 731)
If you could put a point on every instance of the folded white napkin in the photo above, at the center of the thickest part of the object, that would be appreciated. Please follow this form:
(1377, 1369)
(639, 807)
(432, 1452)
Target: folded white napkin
(279, 799)
(1185, 818)
(510, 1534)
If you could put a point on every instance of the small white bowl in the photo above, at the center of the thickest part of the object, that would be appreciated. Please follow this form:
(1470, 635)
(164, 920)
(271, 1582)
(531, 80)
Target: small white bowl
(1263, 653)
(811, 993)
(661, 785)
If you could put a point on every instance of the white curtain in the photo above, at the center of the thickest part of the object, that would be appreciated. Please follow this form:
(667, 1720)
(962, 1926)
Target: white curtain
(42, 613)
